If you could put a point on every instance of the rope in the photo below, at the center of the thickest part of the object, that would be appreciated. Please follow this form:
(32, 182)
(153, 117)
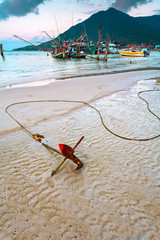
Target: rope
(35, 136)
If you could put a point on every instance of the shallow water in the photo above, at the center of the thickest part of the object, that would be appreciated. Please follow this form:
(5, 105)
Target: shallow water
(115, 196)
(25, 67)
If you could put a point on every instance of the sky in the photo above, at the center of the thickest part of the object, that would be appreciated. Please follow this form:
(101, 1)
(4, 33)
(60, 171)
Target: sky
(30, 19)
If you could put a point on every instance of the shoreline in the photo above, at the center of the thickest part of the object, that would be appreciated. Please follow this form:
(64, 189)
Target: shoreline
(87, 89)
(51, 80)
(113, 72)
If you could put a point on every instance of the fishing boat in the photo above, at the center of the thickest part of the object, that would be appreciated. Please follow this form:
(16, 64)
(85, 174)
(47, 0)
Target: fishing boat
(77, 50)
(112, 48)
(59, 51)
(133, 53)
(146, 49)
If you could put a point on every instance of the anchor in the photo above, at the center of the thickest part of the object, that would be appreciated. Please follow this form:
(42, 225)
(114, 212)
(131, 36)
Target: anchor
(65, 151)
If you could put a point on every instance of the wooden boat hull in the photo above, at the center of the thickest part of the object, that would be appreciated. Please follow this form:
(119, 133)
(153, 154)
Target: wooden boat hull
(61, 55)
(95, 56)
(74, 55)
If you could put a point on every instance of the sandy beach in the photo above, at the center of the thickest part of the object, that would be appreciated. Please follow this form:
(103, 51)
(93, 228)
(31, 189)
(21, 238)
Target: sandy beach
(116, 195)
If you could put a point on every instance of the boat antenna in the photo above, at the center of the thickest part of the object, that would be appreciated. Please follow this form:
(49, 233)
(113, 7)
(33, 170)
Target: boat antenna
(60, 39)
(72, 18)
(57, 27)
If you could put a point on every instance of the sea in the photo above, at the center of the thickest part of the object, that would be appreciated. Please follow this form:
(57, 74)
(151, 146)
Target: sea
(21, 68)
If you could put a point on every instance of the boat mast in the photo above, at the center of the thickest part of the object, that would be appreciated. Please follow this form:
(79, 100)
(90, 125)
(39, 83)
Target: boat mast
(107, 48)
(1, 48)
(31, 43)
(99, 40)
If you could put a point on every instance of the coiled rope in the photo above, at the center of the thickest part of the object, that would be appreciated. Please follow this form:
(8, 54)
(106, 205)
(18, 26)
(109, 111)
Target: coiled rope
(89, 105)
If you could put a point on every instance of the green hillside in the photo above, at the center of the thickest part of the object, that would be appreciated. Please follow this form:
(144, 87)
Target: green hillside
(152, 21)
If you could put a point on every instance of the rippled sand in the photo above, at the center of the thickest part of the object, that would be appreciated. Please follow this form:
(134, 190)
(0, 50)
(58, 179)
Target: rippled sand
(115, 196)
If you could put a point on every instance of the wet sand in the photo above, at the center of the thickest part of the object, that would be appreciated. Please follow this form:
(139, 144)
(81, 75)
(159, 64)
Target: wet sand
(115, 196)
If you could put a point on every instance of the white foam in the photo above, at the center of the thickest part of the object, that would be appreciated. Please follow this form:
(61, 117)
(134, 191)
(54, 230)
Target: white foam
(32, 84)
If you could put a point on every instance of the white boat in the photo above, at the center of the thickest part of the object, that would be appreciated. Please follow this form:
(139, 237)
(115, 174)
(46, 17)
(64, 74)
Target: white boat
(112, 48)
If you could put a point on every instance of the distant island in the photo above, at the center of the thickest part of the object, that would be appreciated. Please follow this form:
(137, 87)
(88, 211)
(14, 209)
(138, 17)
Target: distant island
(118, 25)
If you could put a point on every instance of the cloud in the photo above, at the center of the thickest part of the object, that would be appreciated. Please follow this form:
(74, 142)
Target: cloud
(18, 8)
(125, 5)
(84, 1)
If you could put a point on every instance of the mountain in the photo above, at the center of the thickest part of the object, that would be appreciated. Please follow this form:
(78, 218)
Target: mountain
(120, 26)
